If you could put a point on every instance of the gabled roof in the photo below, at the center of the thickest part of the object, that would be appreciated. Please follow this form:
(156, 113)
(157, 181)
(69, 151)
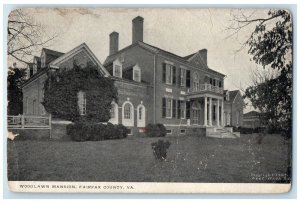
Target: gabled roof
(155, 50)
(74, 51)
(52, 52)
(232, 94)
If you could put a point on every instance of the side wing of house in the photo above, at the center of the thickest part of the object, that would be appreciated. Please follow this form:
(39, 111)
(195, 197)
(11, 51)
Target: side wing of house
(33, 88)
(237, 110)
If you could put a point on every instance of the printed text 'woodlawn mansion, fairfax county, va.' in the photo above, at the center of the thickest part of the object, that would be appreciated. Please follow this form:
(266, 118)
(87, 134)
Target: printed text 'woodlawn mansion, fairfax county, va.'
(154, 86)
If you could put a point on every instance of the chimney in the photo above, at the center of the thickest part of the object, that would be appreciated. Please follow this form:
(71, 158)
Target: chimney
(137, 29)
(113, 43)
(203, 54)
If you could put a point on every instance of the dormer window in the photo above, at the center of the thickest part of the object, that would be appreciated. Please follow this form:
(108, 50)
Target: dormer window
(136, 73)
(117, 68)
(43, 59)
(34, 69)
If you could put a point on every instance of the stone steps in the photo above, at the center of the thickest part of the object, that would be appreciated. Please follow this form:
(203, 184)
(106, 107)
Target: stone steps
(223, 133)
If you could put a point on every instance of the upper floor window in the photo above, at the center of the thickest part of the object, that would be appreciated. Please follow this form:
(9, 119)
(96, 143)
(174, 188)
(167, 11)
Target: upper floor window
(196, 81)
(117, 68)
(82, 102)
(182, 77)
(169, 74)
(136, 73)
(227, 96)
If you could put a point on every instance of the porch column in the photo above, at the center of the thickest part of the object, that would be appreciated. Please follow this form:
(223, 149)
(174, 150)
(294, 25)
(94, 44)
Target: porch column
(222, 112)
(218, 113)
(205, 111)
(210, 112)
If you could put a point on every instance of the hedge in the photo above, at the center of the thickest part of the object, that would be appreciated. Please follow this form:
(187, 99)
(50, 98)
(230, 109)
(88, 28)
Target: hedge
(96, 132)
(156, 130)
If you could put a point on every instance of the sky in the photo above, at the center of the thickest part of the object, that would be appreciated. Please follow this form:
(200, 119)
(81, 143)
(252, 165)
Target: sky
(180, 31)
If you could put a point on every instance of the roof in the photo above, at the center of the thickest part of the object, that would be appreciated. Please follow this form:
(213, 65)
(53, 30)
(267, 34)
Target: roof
(52, 52)
(155, 49)
(232, 94)
(252, 114)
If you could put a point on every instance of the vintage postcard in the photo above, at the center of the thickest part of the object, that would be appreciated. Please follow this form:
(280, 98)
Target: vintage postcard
(152, 100)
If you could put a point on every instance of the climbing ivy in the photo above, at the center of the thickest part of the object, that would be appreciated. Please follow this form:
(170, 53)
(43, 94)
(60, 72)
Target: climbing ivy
(61, 89)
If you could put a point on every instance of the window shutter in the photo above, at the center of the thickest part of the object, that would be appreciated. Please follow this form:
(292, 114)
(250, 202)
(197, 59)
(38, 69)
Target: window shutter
(163, 107)
(174, 108)
(188, 107)
(178, 109)
(220, 83)
(174, 74)
(164, 75)
(188, 78)
(179, 77)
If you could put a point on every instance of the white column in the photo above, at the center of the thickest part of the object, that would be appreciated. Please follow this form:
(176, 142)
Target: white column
(222, 112)
(218, 112)
(210, 112)
(205, 111)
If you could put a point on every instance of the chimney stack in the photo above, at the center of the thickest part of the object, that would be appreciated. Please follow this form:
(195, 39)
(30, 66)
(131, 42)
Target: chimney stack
(113, 43)
(137, 29)
(203, 54)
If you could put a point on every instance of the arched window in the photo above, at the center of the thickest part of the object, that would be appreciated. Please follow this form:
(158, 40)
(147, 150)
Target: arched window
(127, 114)
(141, 114)
(196, 82)
(81, 102)
(114, 113)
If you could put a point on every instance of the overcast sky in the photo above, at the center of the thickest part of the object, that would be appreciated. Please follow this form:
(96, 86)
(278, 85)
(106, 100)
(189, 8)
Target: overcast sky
(180, 31)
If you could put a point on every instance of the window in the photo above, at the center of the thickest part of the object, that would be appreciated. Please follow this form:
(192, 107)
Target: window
(196, 82)
(228, 119)
(169, 131)
(33, 107)
(182, 77)
(182, 131)
(237, 117)
(182, 109)
(114, 113)
(136, 74)
(127, 111)
(117, 69)
(141, 116)
(82, 102)
(227, 96)
(169, 74)
(26, 107)
(34, 69)
(127, 114)
(169, 108)
(43, 59)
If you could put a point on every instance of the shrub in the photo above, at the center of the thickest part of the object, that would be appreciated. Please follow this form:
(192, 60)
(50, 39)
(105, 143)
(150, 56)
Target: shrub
(156, 130)
(160, 149)
(96, 131)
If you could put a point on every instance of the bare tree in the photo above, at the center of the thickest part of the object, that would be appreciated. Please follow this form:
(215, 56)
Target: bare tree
(25, 36)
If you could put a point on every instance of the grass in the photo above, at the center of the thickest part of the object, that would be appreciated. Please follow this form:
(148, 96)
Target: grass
(189, 159)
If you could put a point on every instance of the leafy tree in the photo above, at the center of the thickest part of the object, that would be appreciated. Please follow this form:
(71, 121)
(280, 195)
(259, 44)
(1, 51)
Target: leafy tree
(61, 94)
(15, 79)
(270, 45)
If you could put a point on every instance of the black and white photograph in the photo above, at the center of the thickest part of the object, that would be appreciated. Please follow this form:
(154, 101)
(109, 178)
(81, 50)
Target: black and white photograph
(160, 100)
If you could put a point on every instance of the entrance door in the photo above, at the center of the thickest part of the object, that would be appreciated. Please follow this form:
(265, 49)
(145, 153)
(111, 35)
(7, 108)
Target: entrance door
(196, 113)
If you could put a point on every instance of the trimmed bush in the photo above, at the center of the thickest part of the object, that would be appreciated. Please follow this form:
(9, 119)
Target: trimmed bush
(160, 149)
(96, 132)
(156, 130)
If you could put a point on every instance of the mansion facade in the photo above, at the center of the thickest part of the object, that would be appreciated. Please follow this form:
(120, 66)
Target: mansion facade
(154, 86)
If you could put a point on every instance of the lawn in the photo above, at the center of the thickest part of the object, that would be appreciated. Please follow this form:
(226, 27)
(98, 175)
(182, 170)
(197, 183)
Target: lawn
(189, 159)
